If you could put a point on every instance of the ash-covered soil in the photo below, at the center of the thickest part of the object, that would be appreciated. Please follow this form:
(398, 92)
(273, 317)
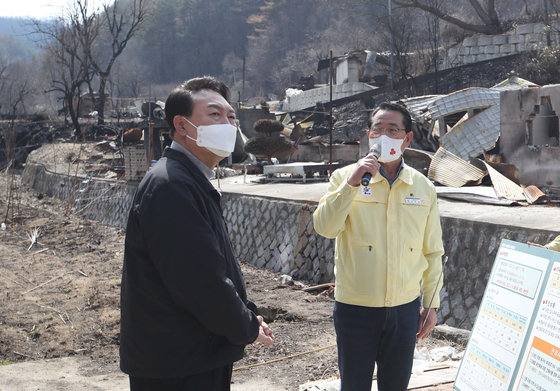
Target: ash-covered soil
(59, 298)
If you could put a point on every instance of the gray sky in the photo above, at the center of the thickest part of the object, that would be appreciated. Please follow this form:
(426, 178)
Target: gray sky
(32, 8)
(38, 8)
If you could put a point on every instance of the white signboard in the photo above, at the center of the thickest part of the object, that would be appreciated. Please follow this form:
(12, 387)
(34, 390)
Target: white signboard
(540, 369)
(518, 318)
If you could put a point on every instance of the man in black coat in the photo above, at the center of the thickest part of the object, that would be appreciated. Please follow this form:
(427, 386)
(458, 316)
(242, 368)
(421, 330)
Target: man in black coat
(185, 317)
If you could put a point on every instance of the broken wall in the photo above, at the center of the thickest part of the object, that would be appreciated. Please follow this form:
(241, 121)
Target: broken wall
(527, 138)
(348, 70)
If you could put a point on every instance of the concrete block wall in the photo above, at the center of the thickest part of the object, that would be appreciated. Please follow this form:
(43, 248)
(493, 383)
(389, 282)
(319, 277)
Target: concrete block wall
(523, 38)
(310, 98)
(102, 200)
(278, 235)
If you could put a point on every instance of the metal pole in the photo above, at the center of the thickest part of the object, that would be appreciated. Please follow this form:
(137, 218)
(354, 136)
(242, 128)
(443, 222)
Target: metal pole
(546, 22)
(331, 115)
(392, 45)
(434, 294)
(243, 81)
(150, 133)
(151, 143)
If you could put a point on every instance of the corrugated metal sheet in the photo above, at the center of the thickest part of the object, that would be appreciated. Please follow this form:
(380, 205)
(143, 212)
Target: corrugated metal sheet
(419, 104)
(513, 83)
(480, 194)
(505, 188)
(533, 194)
(451, 170)
(418, 159)
(469, 98)
(475, 135)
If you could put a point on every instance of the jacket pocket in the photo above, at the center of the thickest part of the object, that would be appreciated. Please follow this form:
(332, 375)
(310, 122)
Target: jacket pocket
(413, 264)
(362, 244)
(362, 269)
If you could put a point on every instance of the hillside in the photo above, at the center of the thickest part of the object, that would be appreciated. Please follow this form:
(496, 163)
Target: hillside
(17, 41)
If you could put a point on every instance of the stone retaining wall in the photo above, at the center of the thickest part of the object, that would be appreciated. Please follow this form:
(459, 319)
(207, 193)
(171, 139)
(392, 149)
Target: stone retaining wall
(524, 38)
(472, 247)
(106, 201)
(278, 235)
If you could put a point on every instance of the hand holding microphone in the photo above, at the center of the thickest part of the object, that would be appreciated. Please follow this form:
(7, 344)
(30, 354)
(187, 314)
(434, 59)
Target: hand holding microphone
(375, 151)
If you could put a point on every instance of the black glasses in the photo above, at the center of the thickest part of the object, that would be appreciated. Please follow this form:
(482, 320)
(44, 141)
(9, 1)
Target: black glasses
(391, 132)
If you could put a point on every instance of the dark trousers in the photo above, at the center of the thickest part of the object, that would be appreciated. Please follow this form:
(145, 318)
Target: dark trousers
(218, 379)
(369, 335)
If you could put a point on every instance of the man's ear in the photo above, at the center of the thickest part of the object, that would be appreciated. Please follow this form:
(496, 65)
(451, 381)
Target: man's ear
(408, 139)
(179, 125)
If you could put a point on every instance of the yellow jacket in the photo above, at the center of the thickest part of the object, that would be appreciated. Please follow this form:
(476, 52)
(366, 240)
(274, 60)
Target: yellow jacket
(386, 242)
(554, 245)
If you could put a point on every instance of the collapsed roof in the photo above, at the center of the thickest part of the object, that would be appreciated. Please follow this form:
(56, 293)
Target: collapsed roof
(472, 130)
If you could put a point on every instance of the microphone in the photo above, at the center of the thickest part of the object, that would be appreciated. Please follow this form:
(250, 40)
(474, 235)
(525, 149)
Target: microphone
(374, 151)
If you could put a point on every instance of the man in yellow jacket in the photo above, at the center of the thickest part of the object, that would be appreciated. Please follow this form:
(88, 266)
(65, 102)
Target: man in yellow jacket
(388, 249)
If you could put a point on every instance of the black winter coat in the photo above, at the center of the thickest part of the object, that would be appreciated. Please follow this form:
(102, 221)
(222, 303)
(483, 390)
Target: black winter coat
(183, 303)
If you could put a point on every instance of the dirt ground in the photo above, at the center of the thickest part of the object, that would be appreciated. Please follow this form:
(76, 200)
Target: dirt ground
(59, 308)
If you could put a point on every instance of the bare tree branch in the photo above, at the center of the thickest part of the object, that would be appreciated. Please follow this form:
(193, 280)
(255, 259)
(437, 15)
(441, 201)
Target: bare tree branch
(67, 61)
(3, 68)
(121, 28)
(491, 22)
(82, 49)
(482, 14)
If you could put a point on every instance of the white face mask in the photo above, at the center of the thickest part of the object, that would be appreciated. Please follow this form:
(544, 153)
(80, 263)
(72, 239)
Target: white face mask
(217, 138)
(390, 148)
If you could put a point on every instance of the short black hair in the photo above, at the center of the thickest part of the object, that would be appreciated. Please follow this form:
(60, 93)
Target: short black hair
(180, 101)
(388, 106)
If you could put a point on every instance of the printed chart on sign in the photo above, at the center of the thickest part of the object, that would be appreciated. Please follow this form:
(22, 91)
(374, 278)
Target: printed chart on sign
(483, 370)
(503, 321)
(541, 361)
(503, 326)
